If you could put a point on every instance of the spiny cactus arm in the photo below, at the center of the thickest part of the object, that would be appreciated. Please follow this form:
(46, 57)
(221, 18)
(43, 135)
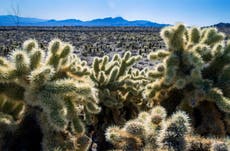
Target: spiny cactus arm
(57, 52)
(55, 46)
(219, 146)
(36, 58)
(72, 66)
(4, 62)
(173, 135)
(158, 111)
(135, 128)
(194, 59)
(102, 78)
(126, 62)
(78, 71)
(173, 37)
(78, 126)
(7, 75)
(198, 143)
(67, 49)
(170, 74)
(153, 88)
(11, 107)
(60, 86)
(155, 74)
(104, 62)
(96, 66)
(158, 55)
(113, 74)
(21, 62)
(218, 63)
(154, 125)
(222, 102)
(57, 119)
(109, 100)
(92, 107)
(29, 45)
(67, 86)
(217, 49)
(194, 35)
(84, 143)
(212, 36)
(80, 93)
(225, 75)
(53, 60)
(7, 124)
(143, 116)
(138, 75)
(40, 76)
(54, 110)
(110, 66)
(224, 81)
(112, 135)
(123, 140)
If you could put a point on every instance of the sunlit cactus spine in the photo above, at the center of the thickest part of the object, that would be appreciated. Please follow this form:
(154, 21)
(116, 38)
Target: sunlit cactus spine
(56, 81)
(194, 67)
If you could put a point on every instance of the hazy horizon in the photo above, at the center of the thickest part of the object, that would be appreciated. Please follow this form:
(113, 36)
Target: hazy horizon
(190, 12)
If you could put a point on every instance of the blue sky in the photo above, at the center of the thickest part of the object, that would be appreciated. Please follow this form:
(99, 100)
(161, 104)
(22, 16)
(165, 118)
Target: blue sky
(190, 12)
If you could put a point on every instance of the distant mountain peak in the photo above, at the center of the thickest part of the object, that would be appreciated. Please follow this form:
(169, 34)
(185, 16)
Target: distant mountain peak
(119, 18)
(222, 25)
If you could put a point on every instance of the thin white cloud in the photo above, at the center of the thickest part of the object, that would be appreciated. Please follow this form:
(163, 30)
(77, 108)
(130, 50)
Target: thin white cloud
(112, 3)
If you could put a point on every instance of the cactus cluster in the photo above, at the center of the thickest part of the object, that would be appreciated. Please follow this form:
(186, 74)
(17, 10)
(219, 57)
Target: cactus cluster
(73, 103)
(194, 65)
(55, 81)
(152, 131)
(116, 80)
(120, 88)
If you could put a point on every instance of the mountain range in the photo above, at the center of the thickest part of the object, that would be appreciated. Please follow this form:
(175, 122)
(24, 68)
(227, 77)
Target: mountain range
(10, 20)
(222, 25)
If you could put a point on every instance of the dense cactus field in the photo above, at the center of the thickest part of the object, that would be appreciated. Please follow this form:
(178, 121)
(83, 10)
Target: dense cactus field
(127, 88)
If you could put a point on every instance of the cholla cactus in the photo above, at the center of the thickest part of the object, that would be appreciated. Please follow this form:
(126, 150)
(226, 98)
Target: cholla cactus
(9, 112)
(158, 133)
(173, 134)
(120, 90)
(116, 80)
(55, 81)
(10, 107)
(195, 66)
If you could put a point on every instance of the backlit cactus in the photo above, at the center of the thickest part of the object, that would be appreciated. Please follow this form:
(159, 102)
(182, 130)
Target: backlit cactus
(56, 81)
(194, 67)
(158, 133)
(70, 105)
(116, 80)
(120, 87)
